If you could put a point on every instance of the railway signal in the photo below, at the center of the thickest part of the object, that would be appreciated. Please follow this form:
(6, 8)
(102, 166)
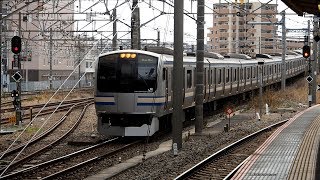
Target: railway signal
(16, 44)
(306, 51)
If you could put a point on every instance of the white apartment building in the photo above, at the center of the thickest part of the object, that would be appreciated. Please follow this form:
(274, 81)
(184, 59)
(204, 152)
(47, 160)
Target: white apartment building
(233, 31)
(38, 42)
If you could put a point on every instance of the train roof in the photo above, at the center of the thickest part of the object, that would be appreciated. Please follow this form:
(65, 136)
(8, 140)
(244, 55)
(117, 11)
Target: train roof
(191, 59)
(211, 57)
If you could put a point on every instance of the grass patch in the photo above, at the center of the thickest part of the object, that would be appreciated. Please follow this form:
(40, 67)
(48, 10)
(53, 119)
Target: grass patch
(290, 97)
(32, 129)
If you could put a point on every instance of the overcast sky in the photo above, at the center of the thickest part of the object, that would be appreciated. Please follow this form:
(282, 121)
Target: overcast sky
(151, 8)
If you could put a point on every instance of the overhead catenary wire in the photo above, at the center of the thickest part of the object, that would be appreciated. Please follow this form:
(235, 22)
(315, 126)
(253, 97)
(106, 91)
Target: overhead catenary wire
(45, 122)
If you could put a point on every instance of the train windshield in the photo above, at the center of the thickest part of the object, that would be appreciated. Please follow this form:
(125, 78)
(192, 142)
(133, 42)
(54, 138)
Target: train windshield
(127, 73)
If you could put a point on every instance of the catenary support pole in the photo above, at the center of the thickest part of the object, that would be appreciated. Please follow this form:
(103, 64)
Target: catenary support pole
(50, 59)
(18, 110)
(314, 62)
(114, 32)
(307, 42)
(177, 116)
(1, 59)
(200, 68)
(135, 24)
(284, 48)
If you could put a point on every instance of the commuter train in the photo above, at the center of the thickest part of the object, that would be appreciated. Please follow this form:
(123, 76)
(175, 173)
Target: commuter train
(133, 88)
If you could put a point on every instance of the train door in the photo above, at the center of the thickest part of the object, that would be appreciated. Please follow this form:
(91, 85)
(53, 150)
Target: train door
(166, 92)
(236, 74)
(228, 81)
(223, 75)
(214, 80)
(241, 83)
(250, 77)
(231, 79)
(245, 77)
(205, 83)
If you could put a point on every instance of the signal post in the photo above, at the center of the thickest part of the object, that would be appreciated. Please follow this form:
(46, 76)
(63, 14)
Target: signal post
(16, 49)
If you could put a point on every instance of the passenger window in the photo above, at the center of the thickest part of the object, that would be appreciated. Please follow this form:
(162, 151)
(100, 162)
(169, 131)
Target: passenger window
(211, 76)
(227, 76)
(219, 76)
(253, 72)
(164, 72)
(189, 78)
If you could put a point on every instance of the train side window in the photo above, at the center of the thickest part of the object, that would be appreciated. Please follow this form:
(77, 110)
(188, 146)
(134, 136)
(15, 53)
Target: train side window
(219, 76)
(241, 74)
(270, 69)
(227, 75)
(253, 72)
(164, 72)
(215, 76)
(211, 76)
(279, 68)
(209, 80)
(235, 74)
(189, 78)
(248, 72)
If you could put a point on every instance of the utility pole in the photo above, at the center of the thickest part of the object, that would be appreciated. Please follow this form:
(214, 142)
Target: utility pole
(306, 41)
(114, 33)
(177, 116)
(135, 26)
(18, 111)
(79, 60)
(237, 35)
(50, 59)
(314, 62)
(199, 67)
(260, 66)
(158, 38)
(260, 45)
(283, 70)
(0, 60)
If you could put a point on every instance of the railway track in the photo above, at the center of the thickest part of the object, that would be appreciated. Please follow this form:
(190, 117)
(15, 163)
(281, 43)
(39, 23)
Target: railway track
(38, 149)
(49, 109)
(224, 163)
(61, 166)
(26, 95)
(34, 154)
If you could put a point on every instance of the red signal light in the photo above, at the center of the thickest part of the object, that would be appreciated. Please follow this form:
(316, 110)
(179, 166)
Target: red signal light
(16, 44)
(306, 51)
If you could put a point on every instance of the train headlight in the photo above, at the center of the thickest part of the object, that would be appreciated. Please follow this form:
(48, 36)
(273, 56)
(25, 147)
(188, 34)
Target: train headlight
(128, 55)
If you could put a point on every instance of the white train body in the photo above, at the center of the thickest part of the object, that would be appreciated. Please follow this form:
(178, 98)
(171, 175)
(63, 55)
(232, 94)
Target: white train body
(133, 89)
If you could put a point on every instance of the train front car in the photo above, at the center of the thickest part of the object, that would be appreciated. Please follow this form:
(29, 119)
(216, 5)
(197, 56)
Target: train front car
(127, 94)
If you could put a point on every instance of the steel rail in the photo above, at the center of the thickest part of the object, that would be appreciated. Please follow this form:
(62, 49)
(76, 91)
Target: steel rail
(45, 133)
(187, 174)
(52, 144)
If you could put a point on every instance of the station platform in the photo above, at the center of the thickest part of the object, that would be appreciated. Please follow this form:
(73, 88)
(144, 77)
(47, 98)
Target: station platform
(289, 153)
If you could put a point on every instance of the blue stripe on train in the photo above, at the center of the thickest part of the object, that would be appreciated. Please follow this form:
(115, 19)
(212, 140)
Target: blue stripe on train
(150, 104)
(105, 103)
(104, 96)
(151, 96)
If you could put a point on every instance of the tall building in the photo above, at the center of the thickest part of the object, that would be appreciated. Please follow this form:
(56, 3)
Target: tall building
(48, 44)
(234, 32)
